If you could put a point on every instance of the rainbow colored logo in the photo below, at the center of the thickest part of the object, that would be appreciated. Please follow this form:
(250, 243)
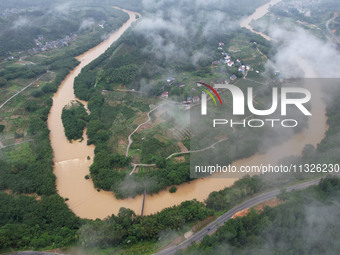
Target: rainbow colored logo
(209, 93)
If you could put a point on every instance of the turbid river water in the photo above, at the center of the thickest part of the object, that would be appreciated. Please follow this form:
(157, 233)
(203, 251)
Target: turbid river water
(71, 163)
(259, 13)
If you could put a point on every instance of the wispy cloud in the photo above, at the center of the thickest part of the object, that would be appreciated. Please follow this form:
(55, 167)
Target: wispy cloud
(295, 43)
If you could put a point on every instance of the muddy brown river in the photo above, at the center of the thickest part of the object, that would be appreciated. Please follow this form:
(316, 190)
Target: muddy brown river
(259, 13)
(71, 163)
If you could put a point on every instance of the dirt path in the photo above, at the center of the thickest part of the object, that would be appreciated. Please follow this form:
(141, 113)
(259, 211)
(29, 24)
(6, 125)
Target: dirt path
(3, 147)
(204, 149)
(140, 125)
(29, 85)
(334, 37)
(138, 165)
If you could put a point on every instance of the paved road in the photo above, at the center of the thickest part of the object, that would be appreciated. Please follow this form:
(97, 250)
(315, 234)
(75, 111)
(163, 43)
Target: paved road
(3, 147)
(226, 216)
(329, 30)
(29, 85)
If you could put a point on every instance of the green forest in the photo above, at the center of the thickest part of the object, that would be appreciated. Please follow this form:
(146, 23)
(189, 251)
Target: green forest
(30, 223)
(128, 228)
(74, 119)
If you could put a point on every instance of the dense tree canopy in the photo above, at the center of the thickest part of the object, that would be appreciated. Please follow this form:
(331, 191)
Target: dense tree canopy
(26, 222)
(127, 228)
(74, 119)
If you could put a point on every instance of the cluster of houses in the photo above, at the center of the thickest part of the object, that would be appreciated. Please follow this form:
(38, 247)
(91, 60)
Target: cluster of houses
(220, 44)
(227, 59)
(304, 7)
(40, 46)
(242, 68)
(189, 100)
(12, 11)
(230, 63)
(187, 103)
(170, 80)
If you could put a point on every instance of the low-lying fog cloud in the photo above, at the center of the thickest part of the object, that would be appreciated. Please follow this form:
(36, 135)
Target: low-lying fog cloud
(321, 56)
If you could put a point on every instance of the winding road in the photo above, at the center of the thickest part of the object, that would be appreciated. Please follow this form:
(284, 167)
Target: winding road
(330, 32)
(204, 149)
(29, 85)
(212, 227)
(140, 125)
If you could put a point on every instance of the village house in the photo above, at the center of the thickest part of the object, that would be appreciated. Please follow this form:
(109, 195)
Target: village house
(230, 63)
(196, 99)
(51, 44)
(233, 77)
(165, 94)
(170, 80)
